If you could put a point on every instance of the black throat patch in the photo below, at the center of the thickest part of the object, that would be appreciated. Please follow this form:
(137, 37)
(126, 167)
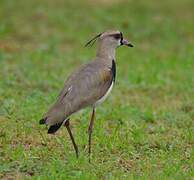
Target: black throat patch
(113, 69)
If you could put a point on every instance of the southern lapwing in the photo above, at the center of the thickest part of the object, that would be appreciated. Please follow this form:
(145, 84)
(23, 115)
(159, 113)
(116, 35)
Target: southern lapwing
(88, 86)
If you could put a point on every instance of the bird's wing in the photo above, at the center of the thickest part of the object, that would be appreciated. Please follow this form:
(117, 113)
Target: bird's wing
(81, 89)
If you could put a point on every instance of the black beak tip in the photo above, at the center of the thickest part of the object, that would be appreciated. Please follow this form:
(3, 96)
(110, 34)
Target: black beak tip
(130, 45)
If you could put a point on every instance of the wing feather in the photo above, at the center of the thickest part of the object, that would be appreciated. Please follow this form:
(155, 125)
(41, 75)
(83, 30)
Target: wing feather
(81, 89)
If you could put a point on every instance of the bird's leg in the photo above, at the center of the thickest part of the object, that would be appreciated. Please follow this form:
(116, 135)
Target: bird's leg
(90, 131)
(71, 136)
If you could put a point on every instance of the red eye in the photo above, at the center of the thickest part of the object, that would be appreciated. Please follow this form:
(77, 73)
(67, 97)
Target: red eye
(117, 36)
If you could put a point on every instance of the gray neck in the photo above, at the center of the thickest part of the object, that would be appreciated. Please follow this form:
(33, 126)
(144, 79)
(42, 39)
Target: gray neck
(105, 52)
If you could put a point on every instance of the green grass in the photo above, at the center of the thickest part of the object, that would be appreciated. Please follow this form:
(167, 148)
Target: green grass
(145, 130)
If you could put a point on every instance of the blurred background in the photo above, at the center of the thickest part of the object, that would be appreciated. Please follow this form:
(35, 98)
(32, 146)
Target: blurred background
(145, 129)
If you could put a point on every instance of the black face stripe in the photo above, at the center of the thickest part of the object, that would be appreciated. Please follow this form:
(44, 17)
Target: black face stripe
(118, 36)
(121, 41)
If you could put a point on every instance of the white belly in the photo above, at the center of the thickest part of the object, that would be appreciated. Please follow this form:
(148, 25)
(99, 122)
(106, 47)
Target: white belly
(102, 99)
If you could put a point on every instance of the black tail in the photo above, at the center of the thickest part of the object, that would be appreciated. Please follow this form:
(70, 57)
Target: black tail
(52, 129)
(42, 121)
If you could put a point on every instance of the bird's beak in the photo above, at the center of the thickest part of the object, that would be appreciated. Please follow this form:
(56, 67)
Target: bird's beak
(126, 43)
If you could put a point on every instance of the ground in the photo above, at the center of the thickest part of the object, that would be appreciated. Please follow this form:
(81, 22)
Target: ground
(144, 130)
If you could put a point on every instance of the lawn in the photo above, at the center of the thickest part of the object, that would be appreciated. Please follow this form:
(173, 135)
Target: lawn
(144, 130)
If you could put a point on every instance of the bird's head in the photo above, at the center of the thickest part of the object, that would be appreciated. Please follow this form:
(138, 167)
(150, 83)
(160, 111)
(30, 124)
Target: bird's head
(110, 39)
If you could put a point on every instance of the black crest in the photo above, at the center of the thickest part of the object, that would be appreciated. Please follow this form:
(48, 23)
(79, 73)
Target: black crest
(93, 40)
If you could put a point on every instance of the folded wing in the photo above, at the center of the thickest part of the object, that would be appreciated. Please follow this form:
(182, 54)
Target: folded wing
(82, 89)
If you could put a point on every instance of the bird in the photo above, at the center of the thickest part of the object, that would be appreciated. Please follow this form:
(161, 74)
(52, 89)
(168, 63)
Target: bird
(88, 86)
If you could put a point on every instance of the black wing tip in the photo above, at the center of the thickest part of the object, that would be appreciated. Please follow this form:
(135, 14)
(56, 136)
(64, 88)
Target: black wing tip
(42, 121)
(52, 129)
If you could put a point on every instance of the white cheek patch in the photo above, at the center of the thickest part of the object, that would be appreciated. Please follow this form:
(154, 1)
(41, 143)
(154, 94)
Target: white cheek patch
(119, 43)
